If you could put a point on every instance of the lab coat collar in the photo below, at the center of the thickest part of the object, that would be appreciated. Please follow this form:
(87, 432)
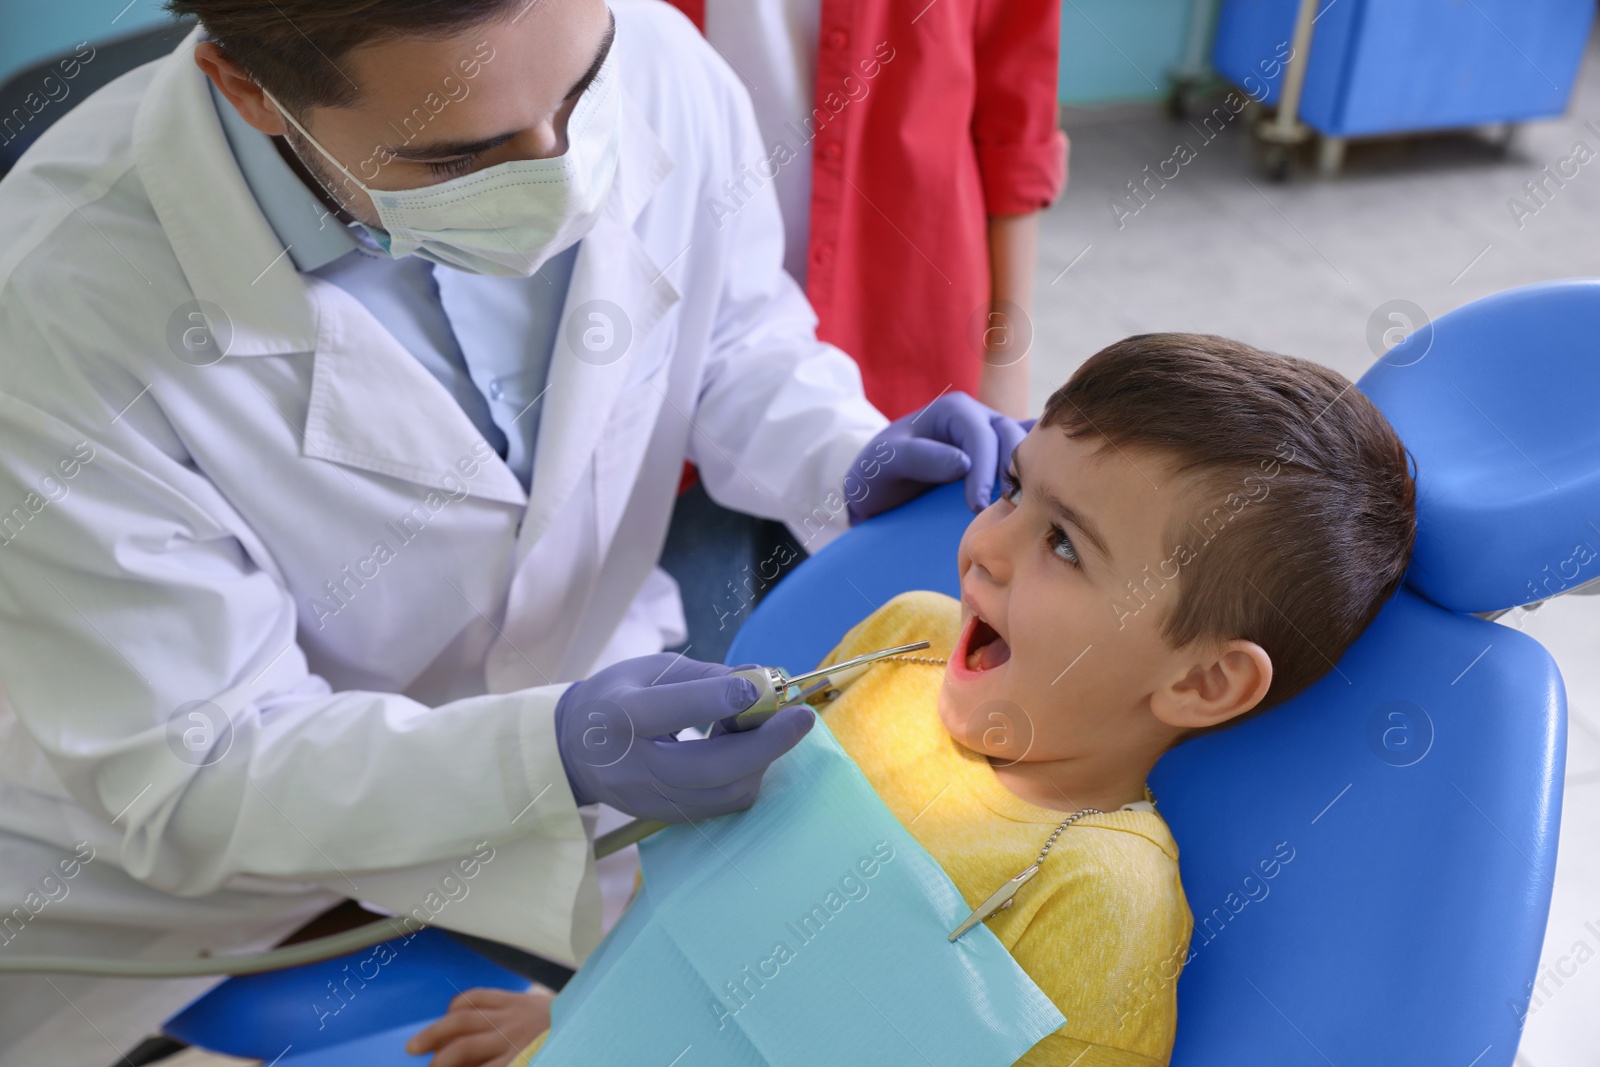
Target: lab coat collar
(313, 235)
(376, 407)
(643, 164)
(227, 250)
(614, 277)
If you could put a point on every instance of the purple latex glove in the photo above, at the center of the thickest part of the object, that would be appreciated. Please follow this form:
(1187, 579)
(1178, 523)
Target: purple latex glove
(952, 437)
(615, 731)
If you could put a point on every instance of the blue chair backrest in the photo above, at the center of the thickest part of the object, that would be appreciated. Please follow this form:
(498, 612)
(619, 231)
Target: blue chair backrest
(1497, 400)
(1369, 865)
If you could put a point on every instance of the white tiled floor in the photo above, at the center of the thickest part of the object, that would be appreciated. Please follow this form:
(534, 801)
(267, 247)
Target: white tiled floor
(1300, 268)
(1563, 1029)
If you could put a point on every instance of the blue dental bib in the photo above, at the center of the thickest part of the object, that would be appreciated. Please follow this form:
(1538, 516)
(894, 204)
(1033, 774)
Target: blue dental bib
(812, 928)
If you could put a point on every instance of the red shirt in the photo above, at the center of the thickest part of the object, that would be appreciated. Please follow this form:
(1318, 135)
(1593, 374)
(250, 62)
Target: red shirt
(928, 118)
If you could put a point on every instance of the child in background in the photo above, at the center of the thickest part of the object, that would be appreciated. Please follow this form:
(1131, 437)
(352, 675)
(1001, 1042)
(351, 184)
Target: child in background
(1193, 533)
(912, 145)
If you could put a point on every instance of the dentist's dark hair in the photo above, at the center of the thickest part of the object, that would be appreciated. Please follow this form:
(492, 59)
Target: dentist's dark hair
(1297, 498)
(295, 47)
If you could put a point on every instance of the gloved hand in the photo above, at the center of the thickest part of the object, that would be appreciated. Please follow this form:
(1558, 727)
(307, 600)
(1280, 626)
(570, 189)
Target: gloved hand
(615, 731)
(951, 437)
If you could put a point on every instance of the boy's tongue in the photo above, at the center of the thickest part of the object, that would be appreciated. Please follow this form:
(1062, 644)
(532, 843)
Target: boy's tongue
(990, 655)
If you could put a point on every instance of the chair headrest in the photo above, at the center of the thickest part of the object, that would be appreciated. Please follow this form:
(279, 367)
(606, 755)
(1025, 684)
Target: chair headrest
(1499, 401)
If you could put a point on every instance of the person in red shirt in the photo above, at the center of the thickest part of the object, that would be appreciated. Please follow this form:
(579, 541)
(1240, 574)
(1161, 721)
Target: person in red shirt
(913, 144)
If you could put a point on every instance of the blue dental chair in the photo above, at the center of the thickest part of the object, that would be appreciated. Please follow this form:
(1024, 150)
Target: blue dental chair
(1417, 788)
(1407, 805)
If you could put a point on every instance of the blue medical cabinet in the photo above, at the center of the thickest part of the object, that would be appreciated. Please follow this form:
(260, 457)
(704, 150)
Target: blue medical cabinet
(1381, 67)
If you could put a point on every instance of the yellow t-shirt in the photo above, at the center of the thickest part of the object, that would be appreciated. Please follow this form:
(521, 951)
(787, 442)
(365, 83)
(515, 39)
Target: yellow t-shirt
(1103, 929)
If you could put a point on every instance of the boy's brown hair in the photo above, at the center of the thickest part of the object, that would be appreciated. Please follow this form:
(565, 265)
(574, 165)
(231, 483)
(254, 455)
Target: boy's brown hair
(1304, 499)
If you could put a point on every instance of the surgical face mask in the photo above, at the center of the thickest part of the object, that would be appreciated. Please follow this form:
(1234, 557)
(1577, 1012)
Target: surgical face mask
(511, 218)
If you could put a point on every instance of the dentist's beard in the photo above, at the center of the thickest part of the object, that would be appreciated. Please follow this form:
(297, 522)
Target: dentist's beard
(330, 185)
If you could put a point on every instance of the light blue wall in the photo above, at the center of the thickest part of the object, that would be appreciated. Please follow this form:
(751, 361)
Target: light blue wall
(1120, 49)
(31, 30)
(1105, 44)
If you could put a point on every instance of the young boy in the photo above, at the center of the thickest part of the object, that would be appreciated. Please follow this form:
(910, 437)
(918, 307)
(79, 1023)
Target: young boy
(1194, 532)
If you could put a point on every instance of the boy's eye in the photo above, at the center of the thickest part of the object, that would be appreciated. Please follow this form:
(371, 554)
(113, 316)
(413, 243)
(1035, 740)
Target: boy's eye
(1010, 487)
(1058, 540)
(452, 167)
(1062, 545)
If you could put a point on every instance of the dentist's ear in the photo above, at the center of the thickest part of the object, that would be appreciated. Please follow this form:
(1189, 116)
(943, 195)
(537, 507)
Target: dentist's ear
(240, 89)
(1222, 683)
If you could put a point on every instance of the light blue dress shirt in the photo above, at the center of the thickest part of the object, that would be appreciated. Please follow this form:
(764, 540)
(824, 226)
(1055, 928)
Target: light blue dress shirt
(487, 340)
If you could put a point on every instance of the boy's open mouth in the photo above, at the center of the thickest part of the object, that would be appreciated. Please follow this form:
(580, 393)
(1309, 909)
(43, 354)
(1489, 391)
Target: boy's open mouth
(984, 649)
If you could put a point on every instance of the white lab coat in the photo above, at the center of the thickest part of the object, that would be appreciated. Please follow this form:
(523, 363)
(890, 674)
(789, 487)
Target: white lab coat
(309, 544)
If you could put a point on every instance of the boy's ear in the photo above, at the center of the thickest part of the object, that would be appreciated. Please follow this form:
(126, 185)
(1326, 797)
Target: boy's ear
(1227, 682)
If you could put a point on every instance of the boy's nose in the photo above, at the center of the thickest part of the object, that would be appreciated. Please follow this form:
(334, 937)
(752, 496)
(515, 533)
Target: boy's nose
(993, 549)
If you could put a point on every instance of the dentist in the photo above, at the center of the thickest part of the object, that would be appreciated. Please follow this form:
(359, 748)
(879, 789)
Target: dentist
(349, 358)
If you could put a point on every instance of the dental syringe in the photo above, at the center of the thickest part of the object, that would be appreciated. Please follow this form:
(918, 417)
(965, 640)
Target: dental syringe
(774, 690)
